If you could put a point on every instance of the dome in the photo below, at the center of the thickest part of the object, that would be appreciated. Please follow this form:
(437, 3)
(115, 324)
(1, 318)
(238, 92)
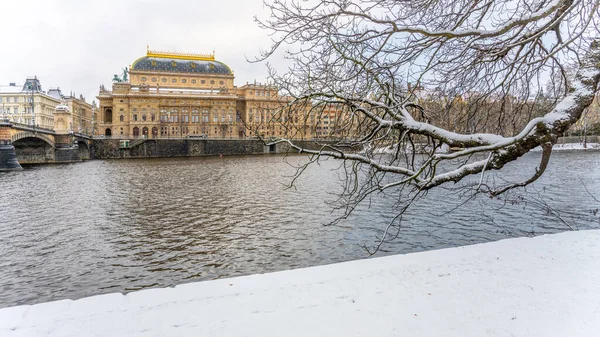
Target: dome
(62, 107)
(180, 63)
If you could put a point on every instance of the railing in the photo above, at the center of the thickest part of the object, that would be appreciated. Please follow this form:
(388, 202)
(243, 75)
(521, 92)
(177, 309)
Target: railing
(29, 127)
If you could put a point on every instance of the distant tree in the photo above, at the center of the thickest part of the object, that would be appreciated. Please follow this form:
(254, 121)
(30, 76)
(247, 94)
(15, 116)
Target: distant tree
(373, 59)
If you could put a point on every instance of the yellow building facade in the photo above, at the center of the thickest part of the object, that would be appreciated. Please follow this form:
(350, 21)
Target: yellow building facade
(176, 95)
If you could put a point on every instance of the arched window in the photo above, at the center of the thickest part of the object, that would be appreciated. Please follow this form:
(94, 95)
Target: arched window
(121, 118)
(107, 116)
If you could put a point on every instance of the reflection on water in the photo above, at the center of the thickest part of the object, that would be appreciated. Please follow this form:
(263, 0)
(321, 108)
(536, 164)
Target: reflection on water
(69, 231)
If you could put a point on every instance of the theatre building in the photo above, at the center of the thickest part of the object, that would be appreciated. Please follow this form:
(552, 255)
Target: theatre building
(174, 95)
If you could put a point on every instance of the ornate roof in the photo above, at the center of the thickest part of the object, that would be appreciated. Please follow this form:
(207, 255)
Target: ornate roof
(180, 63)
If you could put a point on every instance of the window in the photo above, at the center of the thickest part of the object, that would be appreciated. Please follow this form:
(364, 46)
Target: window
(212, 81)
(153, 63)
(203, 81)
(221, 82)
(205, 119)
(154, 79)
(135, 118)
(183, 80)
(143, 118)
(175, 118)
(15, 110)
(222, 118)
(143, 79)
(268, 94)
(215, 118)
(193, 81)
(163, 80)
(193, 65)
(121, 118)
(173, 64)
(153, 117)
(174, 80)
(185, 118)
(15, 100)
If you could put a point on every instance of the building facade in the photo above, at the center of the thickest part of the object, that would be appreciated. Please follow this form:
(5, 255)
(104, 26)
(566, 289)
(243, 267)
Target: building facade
(175, 95)
(29, 104)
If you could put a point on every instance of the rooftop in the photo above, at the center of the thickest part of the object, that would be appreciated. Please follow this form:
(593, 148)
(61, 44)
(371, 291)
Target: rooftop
(158, 61)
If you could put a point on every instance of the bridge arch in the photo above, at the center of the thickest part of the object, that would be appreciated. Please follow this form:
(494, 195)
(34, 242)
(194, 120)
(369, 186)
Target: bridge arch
(83, 147)
(26, 134)
(33, 148)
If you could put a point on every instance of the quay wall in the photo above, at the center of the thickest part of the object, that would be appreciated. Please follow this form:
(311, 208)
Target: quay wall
(571, 140)
(161, 148)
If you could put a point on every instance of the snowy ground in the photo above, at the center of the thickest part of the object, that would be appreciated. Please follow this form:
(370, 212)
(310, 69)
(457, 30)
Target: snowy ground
(542, 286)
(569, 146)
(575, 146)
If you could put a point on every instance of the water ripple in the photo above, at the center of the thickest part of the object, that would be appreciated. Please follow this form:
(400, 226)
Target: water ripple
(69, 231)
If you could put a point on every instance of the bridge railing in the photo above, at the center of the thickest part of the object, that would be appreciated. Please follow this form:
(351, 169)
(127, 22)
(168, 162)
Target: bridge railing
(30, 127)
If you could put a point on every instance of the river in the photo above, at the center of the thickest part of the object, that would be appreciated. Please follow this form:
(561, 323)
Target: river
(75, 230)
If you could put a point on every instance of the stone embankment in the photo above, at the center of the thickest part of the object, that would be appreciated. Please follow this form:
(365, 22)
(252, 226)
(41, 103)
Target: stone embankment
(161, 148)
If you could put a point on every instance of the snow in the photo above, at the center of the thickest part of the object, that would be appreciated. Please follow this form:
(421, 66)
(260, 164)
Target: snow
(571, 146)
(543, 286)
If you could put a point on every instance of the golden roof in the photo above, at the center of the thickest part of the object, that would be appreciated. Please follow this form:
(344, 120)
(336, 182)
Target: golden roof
(180, 56)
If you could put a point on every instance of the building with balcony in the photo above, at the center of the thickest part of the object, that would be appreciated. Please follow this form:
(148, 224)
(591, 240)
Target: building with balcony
(175, 95)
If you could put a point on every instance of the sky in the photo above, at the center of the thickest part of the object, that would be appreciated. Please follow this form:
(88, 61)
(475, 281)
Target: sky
(78, 45)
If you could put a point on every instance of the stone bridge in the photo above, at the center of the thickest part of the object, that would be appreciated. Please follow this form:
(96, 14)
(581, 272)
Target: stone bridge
(27, 144)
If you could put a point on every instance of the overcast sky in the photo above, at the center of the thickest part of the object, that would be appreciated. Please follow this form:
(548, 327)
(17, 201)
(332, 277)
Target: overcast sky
(78, 44)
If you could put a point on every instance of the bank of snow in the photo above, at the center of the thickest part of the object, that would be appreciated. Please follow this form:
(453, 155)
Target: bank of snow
(542, 286)
(574, 146)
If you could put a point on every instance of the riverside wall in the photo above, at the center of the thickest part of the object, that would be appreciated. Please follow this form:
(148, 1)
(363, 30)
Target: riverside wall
(571, 140)
(163, 148)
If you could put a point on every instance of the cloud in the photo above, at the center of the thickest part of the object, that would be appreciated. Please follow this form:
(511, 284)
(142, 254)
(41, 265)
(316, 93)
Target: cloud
(79, 45)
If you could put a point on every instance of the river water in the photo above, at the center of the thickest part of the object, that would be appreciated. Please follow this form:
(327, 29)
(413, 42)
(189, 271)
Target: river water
(75, 230)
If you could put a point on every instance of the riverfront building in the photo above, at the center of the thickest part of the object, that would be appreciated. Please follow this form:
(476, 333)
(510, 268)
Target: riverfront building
(174, 95)
(18, 101)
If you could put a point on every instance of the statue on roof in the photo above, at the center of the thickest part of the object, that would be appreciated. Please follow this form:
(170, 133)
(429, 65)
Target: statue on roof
(117, 79)
(125, 73)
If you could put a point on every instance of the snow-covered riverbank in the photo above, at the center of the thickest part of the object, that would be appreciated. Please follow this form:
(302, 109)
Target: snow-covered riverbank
(559, 147)
(542, 286)
(576, 146)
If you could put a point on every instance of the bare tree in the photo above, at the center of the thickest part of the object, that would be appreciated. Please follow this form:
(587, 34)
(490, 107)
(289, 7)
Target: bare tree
(373, 59)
